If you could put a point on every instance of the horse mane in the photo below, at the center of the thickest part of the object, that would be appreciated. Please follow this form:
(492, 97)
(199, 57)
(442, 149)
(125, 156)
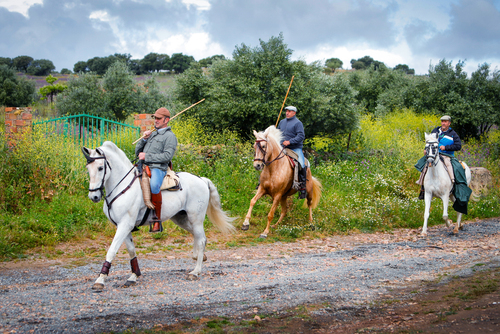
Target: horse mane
(272, 134)
(431, 137)
(110, 146)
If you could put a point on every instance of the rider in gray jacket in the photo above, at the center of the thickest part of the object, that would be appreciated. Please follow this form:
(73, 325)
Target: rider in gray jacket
(157, 149)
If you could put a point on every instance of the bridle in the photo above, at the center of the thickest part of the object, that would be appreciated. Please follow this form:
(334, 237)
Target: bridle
(106, 163)
(259, 146)
(101, 188)
(432, 152)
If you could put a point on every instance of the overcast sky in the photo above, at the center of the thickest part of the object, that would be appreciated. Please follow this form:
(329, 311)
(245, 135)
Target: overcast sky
(414, 32)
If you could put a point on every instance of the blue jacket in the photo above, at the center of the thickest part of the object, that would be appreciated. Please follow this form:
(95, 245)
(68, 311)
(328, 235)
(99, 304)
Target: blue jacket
(449, 139)
(293, 131)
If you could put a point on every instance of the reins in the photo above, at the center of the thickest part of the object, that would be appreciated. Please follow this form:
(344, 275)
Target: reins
(280, 155)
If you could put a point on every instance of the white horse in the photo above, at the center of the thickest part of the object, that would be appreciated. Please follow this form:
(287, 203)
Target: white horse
(110, 169)
(437, 182)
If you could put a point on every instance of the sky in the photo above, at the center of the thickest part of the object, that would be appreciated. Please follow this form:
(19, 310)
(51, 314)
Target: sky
(418, 33)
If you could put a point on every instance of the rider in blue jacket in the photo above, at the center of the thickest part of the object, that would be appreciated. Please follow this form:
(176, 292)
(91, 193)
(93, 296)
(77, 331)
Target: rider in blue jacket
(449, 142)
(293, 134)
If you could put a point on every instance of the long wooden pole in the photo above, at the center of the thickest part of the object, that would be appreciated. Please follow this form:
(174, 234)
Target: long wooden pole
(277, 121)
(173, 117)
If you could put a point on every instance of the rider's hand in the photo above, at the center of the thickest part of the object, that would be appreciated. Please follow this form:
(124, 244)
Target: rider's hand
(142, 156)
(147, 133)
(442, 148)
(286, 143)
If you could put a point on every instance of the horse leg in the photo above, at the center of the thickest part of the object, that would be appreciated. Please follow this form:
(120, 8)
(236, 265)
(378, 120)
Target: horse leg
(199, 243)
(427, 199)
(284, 210)
(259, 194)
(121, 233)
(270, 216)
(134, 264)
(446, 199)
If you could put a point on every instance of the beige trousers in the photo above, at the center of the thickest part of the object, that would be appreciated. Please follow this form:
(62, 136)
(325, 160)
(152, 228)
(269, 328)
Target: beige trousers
(449, 168)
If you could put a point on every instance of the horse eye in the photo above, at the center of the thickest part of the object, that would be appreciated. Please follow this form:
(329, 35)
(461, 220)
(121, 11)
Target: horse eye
(100, 169)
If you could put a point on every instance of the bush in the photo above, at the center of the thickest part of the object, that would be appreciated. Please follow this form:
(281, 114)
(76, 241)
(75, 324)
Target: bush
(14, 91)
(116, 97)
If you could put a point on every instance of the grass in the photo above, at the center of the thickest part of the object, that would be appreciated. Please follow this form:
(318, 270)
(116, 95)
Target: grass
(43, 187)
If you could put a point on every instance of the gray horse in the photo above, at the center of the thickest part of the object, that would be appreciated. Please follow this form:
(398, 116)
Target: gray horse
(110, 169)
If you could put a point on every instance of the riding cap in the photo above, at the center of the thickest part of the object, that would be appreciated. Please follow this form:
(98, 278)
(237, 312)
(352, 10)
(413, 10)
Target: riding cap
(162, 112)
(446, 118)
(292, 108)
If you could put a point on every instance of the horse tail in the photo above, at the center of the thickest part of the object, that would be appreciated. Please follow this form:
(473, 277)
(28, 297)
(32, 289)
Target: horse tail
(316, 193)
(217, 216)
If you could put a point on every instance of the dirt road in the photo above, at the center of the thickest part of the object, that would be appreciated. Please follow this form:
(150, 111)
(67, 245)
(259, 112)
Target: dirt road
(342, 275)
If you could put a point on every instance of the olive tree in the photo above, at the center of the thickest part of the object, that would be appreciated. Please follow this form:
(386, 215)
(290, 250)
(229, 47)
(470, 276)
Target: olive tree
(116, 97)
(246, 93)
(15, 91)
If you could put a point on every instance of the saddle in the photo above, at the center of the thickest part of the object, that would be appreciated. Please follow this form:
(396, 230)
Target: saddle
(293, 159)
(170, 182)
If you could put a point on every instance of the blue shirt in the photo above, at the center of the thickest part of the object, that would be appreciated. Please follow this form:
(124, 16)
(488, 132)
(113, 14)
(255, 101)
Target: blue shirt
(449, 139)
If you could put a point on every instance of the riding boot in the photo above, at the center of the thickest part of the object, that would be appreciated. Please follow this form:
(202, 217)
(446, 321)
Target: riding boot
(422, 193)
(303, 180)
(156, 221)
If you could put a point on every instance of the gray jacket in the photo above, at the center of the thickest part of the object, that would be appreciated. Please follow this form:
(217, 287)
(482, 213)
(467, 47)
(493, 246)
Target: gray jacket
(159, 148)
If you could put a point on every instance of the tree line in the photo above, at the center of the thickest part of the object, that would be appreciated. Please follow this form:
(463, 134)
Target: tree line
(152, 62)
(246, 92)
(28, 65)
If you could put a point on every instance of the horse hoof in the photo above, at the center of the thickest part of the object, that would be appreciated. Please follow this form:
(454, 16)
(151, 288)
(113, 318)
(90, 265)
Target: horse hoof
(245, 227)
(98, 287)
(263, 236)
(192, 277)
(449, 222)
(461, 228)
(129, 283)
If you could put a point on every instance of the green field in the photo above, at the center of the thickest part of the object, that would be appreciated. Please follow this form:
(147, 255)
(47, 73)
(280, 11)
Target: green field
(43, 185)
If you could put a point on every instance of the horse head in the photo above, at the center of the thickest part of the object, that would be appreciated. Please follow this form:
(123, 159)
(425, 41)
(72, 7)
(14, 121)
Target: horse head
(267, 147)
(97, 166)
(260, 147)
(432, 148)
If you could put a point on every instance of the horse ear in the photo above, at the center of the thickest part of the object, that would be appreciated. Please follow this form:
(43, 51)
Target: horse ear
(98, 150)
(255, 133)
(86, 151)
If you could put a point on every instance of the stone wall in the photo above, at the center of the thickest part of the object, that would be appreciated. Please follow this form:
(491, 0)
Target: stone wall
(17, 121)
(144, 121)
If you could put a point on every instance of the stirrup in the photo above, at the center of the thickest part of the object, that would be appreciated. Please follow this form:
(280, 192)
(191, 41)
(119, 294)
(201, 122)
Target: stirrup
(422, 194)
(302, 193)
(155, 226)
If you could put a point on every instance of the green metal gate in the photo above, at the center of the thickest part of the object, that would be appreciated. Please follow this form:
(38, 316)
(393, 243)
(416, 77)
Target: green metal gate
(90, 131)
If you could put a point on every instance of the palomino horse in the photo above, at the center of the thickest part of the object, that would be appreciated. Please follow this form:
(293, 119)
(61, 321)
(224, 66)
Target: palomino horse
(437, 182)
(276, 178)
(110, 169)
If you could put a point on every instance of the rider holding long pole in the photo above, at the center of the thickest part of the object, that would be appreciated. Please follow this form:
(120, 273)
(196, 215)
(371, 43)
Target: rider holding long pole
(157, 149)
(293, 134)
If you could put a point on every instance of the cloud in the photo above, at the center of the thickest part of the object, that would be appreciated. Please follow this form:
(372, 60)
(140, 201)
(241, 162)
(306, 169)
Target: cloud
(473, 33)
(85, 29)
(413, 32)
(303, 23)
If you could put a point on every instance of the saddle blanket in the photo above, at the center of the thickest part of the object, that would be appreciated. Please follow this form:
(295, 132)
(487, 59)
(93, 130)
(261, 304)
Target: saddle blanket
(294, 163)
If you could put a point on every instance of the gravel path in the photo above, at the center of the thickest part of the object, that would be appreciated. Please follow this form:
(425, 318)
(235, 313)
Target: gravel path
(343, 272)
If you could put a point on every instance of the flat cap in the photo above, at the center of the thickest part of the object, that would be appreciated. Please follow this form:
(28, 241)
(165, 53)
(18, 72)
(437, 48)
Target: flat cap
(446, 118)
(292, 108)
(162, 112)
